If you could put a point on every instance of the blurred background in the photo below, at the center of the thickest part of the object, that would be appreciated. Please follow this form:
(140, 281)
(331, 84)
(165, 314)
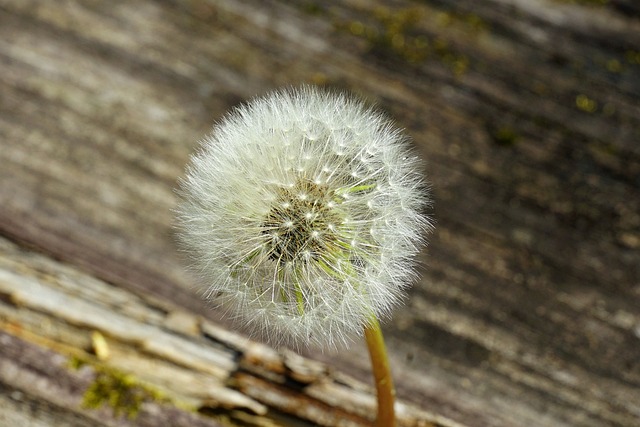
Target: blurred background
(527, 113)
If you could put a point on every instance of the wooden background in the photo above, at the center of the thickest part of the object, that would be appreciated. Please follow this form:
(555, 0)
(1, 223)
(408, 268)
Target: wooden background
(527, 311)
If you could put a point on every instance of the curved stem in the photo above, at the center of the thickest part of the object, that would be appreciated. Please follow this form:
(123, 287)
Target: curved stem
(381, 373)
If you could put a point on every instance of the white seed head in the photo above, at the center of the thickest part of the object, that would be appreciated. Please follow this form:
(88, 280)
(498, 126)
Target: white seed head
(303, 212)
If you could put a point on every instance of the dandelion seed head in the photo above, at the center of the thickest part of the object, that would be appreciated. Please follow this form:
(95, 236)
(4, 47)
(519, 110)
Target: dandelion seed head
(303, 211)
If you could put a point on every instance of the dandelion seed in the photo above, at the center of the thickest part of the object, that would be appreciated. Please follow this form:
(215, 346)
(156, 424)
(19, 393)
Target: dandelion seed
(302, 212)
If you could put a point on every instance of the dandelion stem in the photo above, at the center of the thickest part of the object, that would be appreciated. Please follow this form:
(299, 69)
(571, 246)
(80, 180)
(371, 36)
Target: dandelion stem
(381, 373)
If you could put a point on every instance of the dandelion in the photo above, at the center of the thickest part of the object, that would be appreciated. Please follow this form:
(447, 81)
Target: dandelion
(303, 212)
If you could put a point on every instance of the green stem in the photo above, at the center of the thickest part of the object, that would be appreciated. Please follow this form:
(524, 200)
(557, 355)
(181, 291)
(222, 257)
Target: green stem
(381, 373)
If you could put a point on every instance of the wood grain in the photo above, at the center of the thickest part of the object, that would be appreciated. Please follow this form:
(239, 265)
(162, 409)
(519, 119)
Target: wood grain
(527, 311)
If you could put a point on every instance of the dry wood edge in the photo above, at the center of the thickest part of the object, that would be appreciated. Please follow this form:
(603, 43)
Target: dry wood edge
(67, 337)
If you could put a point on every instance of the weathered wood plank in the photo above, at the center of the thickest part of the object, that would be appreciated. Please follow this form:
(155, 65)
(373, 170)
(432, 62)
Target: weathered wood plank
(70, 335)
(528, 114)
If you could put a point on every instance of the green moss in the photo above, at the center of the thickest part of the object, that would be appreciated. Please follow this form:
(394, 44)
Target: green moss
(396, 33)
(586, 104)
(504, 136)
(120, 391)
(311, 7)
(76, 363)
(393, 33)
(632, 56)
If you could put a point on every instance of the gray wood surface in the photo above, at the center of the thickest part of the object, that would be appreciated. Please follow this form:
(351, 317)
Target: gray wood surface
(527, 310)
